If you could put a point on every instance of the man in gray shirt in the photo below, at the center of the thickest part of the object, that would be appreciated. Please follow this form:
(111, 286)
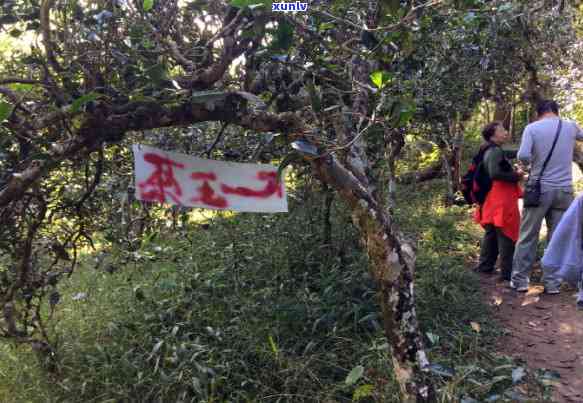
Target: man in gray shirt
(556, 188)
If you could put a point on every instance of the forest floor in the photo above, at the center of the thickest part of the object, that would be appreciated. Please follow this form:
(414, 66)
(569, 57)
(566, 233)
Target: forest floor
(544, 330)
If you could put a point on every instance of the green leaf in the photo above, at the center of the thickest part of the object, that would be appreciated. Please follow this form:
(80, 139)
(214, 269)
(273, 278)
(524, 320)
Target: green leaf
(381, 78)
(441, 370)
(148, 4)
(433, 338)
(168, 285)
(287, 160)
(147, 44)
(157, 347)
(250, 3)
(273, 346)
(5, 110)
(354, 375)
(79, 102)
(325, 25)
(21, 87)
(157, 73)
(407, 112)
(377, 79)
(505, 7)
(362, 392)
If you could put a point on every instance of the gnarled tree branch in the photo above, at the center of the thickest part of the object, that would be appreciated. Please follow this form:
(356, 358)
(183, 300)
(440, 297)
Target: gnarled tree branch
(107, 125)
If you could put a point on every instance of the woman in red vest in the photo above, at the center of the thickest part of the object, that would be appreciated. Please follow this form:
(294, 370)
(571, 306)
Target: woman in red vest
(499, 215)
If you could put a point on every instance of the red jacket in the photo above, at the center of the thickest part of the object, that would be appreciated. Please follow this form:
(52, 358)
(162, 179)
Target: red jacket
(501, 208)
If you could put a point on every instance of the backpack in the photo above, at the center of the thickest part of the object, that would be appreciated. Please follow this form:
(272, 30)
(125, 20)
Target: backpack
(476, 183)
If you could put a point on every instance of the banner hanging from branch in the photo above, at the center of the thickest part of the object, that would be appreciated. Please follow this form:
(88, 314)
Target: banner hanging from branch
(179, 179)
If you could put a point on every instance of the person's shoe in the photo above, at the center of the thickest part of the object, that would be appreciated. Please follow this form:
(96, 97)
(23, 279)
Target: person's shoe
(580, 305)
(552, 291)
(484, 270)
(520, 288)
(504, 278)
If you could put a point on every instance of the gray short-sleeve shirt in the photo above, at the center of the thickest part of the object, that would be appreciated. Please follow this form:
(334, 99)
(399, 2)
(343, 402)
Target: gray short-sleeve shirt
(536, 144)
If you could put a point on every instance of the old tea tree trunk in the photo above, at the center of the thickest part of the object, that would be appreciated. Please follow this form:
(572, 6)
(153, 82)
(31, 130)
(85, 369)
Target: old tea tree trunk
(392, 263)
(391, 260)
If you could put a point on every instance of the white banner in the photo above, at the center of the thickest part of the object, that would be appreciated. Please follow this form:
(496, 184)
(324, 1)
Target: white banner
(179, 179)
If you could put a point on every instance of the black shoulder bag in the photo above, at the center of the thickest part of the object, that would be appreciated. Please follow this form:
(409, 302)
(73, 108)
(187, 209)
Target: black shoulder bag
(532, 191)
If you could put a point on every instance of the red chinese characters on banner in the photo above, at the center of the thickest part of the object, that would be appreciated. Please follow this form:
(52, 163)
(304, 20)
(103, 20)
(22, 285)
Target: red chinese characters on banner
(162, 181)
(272, 187)
(207, 194)
(174, 179)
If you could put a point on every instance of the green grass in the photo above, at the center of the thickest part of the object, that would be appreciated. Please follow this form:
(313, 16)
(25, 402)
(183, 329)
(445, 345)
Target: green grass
(254, 308)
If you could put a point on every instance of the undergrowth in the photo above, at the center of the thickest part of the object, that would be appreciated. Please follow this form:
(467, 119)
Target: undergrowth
(249, 308)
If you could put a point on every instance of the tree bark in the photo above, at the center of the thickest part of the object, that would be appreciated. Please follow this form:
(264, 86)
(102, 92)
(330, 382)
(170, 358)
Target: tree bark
(503, 107)
(456, 155)
(447, 167)
(536, 89)
(392, 184)
(503, 113)
(450, 195)
(433, 171)
(392, 263)
(394, 142)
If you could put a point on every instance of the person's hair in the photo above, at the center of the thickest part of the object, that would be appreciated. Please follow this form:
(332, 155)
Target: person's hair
(489, 130)
(547, 105)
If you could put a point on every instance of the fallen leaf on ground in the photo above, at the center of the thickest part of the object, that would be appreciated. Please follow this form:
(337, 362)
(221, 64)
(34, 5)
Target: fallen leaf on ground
(530, 300)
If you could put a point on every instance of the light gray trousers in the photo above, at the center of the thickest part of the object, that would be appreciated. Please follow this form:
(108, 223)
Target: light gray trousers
(553, 204)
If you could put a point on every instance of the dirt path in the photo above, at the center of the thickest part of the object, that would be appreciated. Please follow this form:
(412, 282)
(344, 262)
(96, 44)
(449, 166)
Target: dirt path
(545, 330)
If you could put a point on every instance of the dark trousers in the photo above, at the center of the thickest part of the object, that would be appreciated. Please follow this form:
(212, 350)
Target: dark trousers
(494, 243)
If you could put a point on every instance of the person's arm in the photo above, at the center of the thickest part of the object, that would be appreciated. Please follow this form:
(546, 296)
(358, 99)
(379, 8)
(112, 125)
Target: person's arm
(525, 151)
(494, 160)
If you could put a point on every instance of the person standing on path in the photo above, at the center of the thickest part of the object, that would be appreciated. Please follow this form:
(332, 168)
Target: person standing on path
(556, 187)
(499, 215)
